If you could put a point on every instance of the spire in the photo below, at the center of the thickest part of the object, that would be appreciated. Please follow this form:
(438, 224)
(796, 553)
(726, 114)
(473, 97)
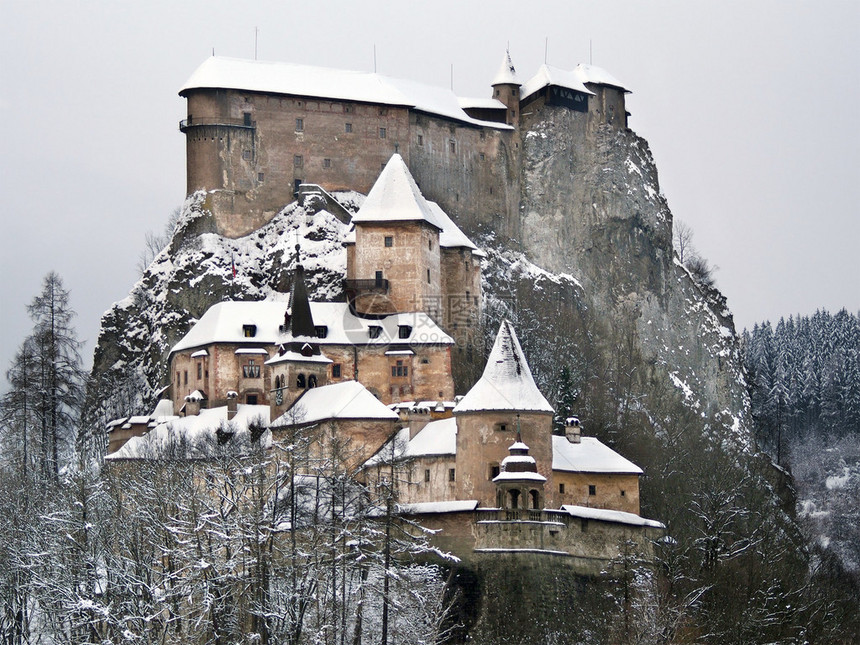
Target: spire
(506, 75)
(301, 320)
(395, 197)
(507, 382)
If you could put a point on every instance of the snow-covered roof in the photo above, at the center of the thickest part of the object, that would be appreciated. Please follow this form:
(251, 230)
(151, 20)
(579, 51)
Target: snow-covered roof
(200, 354)
(223, 322)
(506, 75)
(517, 476)
(194, 435)
(597, 76)
(164, 408)
(480, 103)
(345, 400)
(589, 456)
(604, 515)
(453, 506)
(323, 82)
(436, 439)
(451, 235)
(548, 75)
(507, 382)
(395, 197)
(296, 357)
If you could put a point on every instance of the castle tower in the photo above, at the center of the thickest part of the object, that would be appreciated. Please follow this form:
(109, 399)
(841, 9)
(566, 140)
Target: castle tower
(299, 365)
(504, 407)
(396, 262)
(506, 88)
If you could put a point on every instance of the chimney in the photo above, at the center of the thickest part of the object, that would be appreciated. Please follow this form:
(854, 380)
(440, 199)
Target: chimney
(192, 403)
(232, 404)
(572, 430)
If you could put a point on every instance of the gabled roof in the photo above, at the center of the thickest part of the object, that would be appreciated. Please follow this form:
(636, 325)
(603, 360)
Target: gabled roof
(395, 197)
(589, 456)
(336, 84)
(507, 382)
(345, 400)
(547, 75)
(436, 439)
(451, 235)
(223, 323)
(506, 75)
(597, 76)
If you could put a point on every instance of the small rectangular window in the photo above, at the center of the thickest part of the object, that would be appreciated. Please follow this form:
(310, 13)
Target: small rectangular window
(335, 370)
(300, 125)
(185, 376)
(321, 330)
(481, 156)
(381, 133)
(426, 474)
(348, 128)
(389, 241)
(561, 488)
(592, 489)
(246, 155)
(373, 331)
(378, 278)
(200, 372)
(451, 475)
(452, 146)
(177, 377)
(494, 471)
(428, 276)
(326, 163)
(246, 118)
(298, 161)
(249, 331)
(260, 176)
(404, 331)
(623, 493)
(420, 140)
(251, 399)
(483, 135)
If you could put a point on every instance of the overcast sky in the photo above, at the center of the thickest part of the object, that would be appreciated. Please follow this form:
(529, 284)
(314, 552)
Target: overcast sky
(750, 109)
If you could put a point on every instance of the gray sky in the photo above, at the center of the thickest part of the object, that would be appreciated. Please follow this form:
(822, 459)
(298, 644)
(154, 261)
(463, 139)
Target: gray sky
(749, 108)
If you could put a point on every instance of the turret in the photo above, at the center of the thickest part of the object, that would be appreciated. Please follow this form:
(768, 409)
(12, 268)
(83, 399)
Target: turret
(506, 88)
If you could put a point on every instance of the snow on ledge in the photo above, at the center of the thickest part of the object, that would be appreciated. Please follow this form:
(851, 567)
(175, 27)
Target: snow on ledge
(604, 515)
(454, 506)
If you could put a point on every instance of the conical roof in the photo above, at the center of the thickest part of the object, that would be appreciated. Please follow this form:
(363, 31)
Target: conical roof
(506, 75)
(507, 382)
(395, 197)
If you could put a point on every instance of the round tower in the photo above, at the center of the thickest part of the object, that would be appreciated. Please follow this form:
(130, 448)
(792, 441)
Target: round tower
(506, 88)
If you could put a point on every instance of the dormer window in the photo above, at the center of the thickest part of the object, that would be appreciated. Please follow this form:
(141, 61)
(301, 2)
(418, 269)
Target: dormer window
(404, 331)
(321, 330)
(373, 331)
(249, 331)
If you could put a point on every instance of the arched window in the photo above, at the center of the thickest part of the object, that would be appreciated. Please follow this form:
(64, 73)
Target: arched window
(514, 496)
(312, 381)
(535, 495)
(300, 381)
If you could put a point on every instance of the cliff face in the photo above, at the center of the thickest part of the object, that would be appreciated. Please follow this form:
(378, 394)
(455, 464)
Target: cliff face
(591, 208)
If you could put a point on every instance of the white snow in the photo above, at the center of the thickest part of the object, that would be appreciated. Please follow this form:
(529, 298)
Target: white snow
(197, 433)
(455, 506)
(507, 382)
(835, 482)
(305, 80)
(251, 350)
(223, 323)
(395, 197)
(589, 456)
(436, 439)
(296, 357)
(588, 513)
(345, 400)
(200, 354)
(480, 103)
(597, 76)
(505, 476)
(507, 74)
(547, 76)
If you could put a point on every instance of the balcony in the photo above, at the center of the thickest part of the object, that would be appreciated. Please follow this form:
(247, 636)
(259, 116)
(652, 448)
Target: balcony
(195, 121)
(361, 287)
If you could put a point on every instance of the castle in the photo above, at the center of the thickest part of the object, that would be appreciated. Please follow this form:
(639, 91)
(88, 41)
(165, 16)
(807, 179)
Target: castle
(257, 131)
(485, 469)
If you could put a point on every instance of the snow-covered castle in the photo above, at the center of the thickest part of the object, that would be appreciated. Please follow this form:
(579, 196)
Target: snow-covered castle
(484, 468)
(257, 131)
